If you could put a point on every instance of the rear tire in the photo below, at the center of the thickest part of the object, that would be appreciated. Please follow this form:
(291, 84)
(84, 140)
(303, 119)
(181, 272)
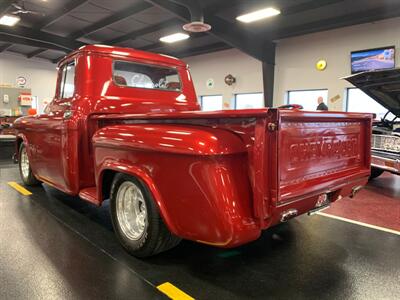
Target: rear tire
(25, 170)
(375, 172)
(136, 220)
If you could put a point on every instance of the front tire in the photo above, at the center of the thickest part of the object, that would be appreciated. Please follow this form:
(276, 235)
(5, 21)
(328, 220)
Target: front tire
(136, 220)
(375, 172)
(25, 169)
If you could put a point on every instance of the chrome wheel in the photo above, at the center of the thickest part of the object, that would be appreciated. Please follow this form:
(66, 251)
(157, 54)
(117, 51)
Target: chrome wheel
(24, 162)
(131, 210)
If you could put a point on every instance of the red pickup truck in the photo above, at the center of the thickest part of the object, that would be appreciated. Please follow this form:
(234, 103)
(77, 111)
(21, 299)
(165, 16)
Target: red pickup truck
(125, 125)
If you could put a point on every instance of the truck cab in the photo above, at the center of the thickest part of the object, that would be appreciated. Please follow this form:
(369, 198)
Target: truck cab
(97, 80)
(125, 125)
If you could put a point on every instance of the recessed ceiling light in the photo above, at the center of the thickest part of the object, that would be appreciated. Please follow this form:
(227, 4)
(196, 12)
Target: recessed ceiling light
(9, 20)
(172, 38)
(258, 15)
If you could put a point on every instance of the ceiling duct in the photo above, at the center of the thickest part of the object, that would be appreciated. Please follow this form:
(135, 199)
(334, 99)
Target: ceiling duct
(197, 17)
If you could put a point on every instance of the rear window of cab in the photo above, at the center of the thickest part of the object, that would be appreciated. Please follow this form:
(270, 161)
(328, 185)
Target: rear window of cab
(137, 75)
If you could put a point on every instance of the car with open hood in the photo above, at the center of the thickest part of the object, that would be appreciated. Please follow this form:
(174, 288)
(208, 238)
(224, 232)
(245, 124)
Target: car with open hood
(384, 88)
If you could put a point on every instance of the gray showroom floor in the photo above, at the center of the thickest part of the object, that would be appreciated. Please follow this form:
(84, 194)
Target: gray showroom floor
(58, 247)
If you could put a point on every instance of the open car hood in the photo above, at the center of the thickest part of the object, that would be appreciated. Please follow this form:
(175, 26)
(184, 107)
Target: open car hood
(382, 86)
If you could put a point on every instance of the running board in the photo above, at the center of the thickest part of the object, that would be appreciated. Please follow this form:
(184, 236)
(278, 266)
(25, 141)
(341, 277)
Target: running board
(318, 209)
(90, 195)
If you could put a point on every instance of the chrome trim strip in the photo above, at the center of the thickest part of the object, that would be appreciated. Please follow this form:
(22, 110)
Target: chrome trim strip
(384, 166)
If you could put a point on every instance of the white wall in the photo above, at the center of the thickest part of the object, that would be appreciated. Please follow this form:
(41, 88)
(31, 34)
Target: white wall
(41, 75)
(296, 58)
(294, 70)
(295, 63)
(247, 70)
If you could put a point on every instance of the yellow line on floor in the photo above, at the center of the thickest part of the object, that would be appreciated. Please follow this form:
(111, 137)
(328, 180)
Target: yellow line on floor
(19, 188)
(173, 292)
(359, 223)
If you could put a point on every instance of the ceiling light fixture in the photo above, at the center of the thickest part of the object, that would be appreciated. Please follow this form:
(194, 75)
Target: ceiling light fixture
(197, 26)
(9, 20)
(258, 15)
(176, 37)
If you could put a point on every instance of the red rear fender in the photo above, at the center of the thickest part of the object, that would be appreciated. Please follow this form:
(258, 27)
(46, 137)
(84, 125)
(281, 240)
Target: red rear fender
(198, 177)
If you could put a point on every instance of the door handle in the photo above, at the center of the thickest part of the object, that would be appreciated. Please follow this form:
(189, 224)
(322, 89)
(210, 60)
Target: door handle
(65, 104)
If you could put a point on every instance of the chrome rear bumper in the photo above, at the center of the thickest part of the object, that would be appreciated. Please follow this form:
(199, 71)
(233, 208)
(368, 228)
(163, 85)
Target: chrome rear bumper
(385, 163)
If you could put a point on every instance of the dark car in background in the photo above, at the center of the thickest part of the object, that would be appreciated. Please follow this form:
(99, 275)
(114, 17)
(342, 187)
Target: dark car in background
(383, 87)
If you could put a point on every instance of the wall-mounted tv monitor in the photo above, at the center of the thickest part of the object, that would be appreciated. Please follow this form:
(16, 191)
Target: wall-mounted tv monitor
(373, 59)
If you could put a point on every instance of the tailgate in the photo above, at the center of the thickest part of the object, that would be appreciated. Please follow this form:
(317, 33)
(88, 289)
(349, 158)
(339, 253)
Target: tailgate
(320, 151)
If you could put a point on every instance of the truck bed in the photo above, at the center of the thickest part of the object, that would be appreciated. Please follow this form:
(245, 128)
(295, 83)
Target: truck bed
(292, 154)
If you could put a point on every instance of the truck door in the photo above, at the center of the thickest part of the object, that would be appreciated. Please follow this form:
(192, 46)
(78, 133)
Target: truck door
(50, 142)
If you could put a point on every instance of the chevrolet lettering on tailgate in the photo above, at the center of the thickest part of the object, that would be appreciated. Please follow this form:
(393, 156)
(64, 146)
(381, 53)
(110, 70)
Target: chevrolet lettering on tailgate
(325, 147)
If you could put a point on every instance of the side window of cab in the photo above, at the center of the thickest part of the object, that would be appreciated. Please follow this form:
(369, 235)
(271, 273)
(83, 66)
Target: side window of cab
(67, 82)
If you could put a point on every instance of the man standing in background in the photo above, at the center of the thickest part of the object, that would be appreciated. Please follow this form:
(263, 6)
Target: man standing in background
(321, 104)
